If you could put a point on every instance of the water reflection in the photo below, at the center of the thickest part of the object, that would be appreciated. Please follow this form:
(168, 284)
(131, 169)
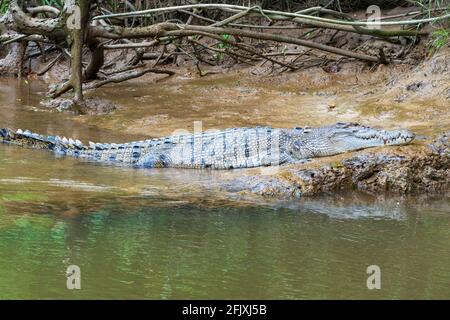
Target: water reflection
(134, 249)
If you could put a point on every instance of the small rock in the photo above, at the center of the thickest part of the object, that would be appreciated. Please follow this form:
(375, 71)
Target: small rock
(416, 86)
(447, 94)
(92, 106)
(332, 69)
(58, 104)
(65, 105)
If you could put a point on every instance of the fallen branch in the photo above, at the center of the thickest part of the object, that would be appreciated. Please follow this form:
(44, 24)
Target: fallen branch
(49, 65)
(242, 47)
(41, 9)
(125, 77)
(192, 30)
(131, 45)
(269, 13)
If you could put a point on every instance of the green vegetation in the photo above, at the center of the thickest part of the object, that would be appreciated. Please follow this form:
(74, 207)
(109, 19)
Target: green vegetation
(441, 36)
(429, 5)
(222, 45)
(4, 4)
(439, 39)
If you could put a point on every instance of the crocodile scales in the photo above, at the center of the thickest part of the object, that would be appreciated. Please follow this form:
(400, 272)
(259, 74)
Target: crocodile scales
(227, 149)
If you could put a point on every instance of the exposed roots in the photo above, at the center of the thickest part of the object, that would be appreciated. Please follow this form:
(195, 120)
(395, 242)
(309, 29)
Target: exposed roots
(246, 35)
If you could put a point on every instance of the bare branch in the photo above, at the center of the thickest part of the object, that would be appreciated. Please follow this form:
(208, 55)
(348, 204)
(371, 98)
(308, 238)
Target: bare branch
(125, 77)
(49, 9)
(132, 45)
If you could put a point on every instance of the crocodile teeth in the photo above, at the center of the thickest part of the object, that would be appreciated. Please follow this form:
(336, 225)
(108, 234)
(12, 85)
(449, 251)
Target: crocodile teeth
(64, 140)
(78, 143)
(19, 131)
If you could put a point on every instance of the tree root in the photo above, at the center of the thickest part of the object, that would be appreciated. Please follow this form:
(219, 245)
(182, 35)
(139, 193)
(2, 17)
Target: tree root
(98, 35)
(124, 77)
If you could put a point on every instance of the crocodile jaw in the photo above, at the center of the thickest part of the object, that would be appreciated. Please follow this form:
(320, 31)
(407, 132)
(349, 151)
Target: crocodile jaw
(344, 137)
(369, 137)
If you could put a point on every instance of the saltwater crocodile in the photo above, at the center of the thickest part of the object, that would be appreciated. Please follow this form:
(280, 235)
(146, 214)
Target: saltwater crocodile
(227, 149)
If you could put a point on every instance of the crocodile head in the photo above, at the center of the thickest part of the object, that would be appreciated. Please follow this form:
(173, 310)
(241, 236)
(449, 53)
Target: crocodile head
(344, 137)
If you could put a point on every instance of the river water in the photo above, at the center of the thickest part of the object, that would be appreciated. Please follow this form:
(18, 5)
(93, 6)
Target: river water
(172, 234)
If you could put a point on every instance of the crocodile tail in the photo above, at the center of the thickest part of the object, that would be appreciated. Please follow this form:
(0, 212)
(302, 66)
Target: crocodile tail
(36, 141)
(70, 147)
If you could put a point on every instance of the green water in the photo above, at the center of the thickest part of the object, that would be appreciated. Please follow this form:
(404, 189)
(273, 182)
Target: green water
(128, 249)
(174, 234)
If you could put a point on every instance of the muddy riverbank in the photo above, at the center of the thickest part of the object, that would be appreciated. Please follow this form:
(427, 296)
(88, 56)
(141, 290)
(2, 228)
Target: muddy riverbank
(415, 97)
